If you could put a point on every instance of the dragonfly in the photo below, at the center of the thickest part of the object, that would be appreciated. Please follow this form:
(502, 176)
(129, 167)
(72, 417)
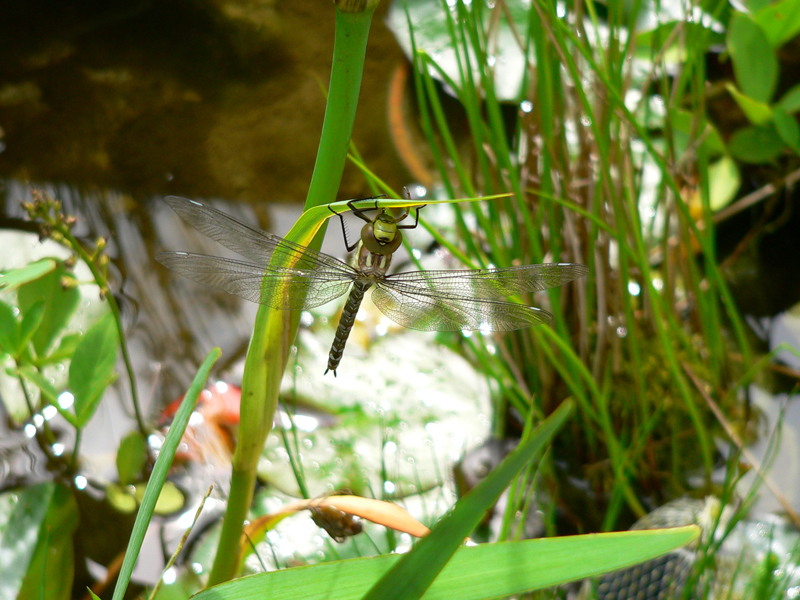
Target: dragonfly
(434, 300)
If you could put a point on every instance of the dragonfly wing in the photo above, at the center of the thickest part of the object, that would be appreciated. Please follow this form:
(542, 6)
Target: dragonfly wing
(278, 288)
(492, 283)
(418, 307)
(250, 242)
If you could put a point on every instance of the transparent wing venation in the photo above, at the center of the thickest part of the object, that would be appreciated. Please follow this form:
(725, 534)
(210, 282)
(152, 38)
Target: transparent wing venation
(490, 283)
(415, 308)
(281, 289)
(250, 242)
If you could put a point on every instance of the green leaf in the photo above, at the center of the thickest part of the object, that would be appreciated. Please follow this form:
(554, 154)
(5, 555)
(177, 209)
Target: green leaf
(170, 500)
(66, 348)
(756, 112)
(51, 570)
(754, 62)
(22, 513)
(779, 21)
(414, 573)
(724, 181)
(787, 127)
(9, 329)
(11, 280)
(474, 573)
(30, 323)
(790, 102)
(120, 498)
(160, 471)
(131, 457)
(756, 144)
(92, 367)
(59, 304)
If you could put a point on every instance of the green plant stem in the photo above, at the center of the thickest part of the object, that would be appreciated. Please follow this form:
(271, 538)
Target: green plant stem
(275, 330)
(102, 281)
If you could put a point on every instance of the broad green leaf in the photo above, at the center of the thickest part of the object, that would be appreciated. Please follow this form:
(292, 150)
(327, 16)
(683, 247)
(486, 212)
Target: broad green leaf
(414, 572)
(756, 112)
(790, 101)
(22, 513)
(11, 280)
(754, 62)
(126, 499)
(787, 127)
(66, 348)
(724, 181)
(159, 474)
(92, 367)
(51, 570)
(59, 304)
(780, 21)
(120, 498)
(756, 144)
(131, 457)
(9, 329)
(30, 323)
(756, 5)
(474, 573)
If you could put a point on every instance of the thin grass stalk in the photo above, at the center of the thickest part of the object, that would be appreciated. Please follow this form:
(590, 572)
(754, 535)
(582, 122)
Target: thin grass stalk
(707, 250)
(705, 445)
(444, 129)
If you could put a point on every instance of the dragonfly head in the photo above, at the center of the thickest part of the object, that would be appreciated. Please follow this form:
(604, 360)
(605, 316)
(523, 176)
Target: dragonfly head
(381, 236)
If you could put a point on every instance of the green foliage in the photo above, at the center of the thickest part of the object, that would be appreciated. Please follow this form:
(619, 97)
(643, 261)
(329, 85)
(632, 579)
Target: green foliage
(51, 571)
(756, 144)
(58, 303)
(160, 471)
(474, 573)
(414, 573)
(11, 280)
(754, 61)
(92, 368)
(131, 457)
(36, 547)
(779, 20)
(752, 43)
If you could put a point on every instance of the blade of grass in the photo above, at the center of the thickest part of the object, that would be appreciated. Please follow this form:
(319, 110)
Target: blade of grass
(160, 471)
(474, 573)
(414, 573)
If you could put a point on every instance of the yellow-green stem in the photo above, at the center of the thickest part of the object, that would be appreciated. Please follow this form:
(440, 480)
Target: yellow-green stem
(274, 330)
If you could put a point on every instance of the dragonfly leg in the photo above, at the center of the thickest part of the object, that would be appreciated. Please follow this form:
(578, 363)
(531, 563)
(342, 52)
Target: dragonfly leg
(347, 244)
(358, 212)
(416, 218)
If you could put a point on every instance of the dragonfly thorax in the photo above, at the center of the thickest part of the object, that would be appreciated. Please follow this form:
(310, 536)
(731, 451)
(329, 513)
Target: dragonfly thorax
(372, 264)
(381, 236)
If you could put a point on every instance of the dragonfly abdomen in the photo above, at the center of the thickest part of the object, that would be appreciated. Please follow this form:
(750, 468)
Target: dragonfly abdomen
(349, 312)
